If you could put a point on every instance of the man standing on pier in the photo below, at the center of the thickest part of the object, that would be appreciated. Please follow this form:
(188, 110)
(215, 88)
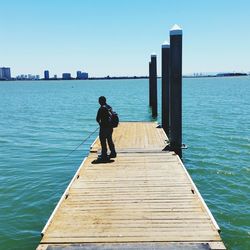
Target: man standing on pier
(106, 130)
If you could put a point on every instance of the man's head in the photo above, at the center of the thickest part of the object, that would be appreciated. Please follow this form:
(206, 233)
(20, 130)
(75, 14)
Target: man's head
(102, 100)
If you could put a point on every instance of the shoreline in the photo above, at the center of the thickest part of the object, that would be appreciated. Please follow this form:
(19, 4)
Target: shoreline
(126, 78)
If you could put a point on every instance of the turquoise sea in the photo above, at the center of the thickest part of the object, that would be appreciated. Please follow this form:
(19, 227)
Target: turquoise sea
(41, 122)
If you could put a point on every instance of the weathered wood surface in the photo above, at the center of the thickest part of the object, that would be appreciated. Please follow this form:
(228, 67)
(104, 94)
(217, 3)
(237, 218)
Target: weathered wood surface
(140, 197)
(136, 137)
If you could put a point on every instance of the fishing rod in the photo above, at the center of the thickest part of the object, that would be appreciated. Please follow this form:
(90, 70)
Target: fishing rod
(82, 142)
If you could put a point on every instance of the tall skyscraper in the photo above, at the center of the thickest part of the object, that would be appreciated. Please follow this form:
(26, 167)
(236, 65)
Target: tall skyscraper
(5, 73)
(46, 74)
(78, 74)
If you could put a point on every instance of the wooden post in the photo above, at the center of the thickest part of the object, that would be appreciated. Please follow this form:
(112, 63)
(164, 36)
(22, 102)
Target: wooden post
(176, 89)
(165, 113)
(154, 85)
(150, 85)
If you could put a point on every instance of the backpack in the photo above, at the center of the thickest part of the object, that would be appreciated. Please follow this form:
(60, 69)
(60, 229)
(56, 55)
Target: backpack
(113, 118)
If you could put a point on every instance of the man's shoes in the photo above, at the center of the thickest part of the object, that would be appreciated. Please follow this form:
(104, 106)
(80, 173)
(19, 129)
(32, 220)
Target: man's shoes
(103, 157)
(102, 160)
(112, 155)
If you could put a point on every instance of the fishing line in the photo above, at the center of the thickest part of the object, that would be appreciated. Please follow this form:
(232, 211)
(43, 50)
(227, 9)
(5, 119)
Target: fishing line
(82, 142)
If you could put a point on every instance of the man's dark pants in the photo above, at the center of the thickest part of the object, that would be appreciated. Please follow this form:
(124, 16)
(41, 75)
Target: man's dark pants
(106, 134)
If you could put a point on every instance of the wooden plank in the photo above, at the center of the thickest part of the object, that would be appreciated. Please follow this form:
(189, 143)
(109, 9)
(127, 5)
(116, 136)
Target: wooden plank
(136, 246)
(133, 238)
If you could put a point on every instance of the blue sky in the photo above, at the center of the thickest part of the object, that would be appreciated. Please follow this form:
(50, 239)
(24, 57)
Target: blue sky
(116, 37)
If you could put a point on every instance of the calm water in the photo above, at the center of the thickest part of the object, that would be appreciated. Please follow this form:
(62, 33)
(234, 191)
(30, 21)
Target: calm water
(41, 122)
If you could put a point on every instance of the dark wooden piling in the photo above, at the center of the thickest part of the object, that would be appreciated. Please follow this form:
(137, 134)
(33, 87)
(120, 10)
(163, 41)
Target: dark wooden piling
(150, 85)
(165, 112)
(154, 84)
(176, 89)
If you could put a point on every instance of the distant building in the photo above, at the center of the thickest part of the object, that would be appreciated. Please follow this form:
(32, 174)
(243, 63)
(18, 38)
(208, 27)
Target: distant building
(46, 74)
(231, 74)
(66, 76)
(28, 77)
(5, 73)
(21, 77)
(78, 74)
(85, 75)
(82, 75)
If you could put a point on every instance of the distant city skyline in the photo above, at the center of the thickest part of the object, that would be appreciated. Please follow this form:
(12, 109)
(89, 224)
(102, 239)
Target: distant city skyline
(117, 37)
(5, 74)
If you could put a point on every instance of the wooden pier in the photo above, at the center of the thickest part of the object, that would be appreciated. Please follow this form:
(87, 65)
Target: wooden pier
(144, 199)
